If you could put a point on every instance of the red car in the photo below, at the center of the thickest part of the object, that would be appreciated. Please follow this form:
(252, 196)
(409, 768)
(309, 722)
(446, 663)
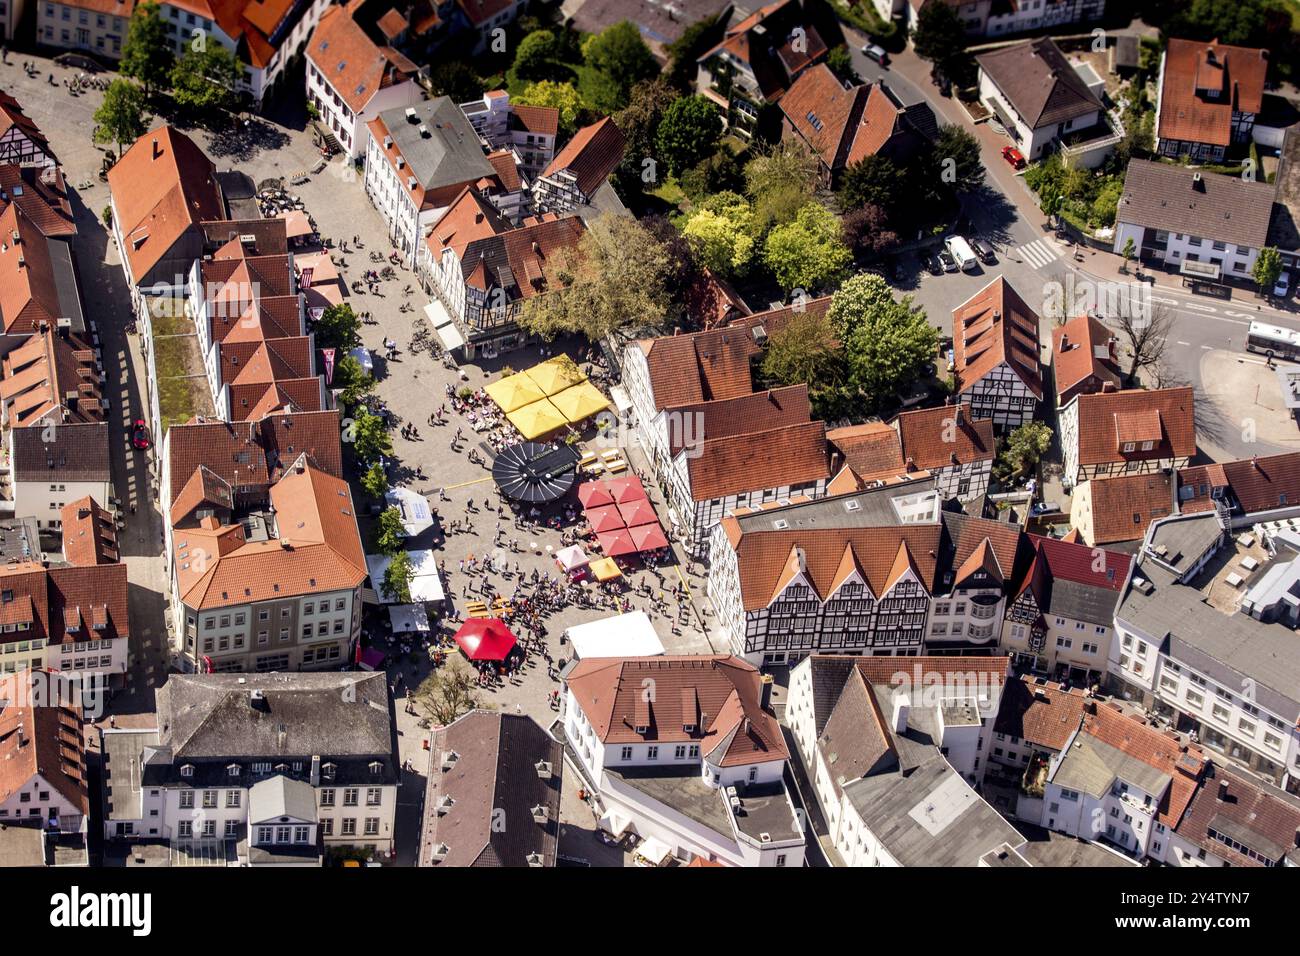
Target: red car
(1014, 157)
(140, 435)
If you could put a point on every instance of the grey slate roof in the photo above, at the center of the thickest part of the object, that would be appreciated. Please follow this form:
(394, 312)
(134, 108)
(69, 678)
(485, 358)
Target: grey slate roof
(1079, 602)
(281, 796)
(450, 154)
(875, 509)
(74, 452)
(1039, 82)
(1091, 766)
(1221, 208)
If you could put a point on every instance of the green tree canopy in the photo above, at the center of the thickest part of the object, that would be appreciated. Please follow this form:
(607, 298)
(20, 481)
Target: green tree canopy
(639, 124)
(338, 328)
(562, 96)
(806, 351)
(874, 181)
(720, 233)
(375, 482)
(121, 116)
(389, 535)
(449, 692)
(779, 181)
(963, 149)
(886, 341)
(619, 52)
(354, 381)
(1024, 447)
(683, 52)
(369, 435)
(940, 37)
(1267, 268)
(807, 253)
(206, 77)
(147, 53)
(689, 131)
(536, 55)
(397, 578)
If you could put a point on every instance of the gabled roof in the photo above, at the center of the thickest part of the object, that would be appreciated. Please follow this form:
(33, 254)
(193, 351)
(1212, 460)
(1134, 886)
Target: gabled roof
(76, 451)
(1258, 817)
(763, 41)
(1038, 82)
(355, 66)
(89, 533)
(873, 451)
(744, 414)
(1109, 420)
(12, 116)
(41, 742)
(1043, 715)
(1083, 349)
(1203, 85)
(824, 113)
(994, 326)
(441, 160)
(1072, 580)
(1253, 484)
(161, 187)
(786, 455)
(42, 194)
(29, 292)
(1125, 505)
(590, 156)
(52, 377)
(944, 437)
(1174, 198)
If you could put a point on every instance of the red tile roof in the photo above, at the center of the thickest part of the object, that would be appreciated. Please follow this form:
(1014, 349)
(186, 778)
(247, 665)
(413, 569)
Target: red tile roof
(1255, 484)
(1109, 420)
(873, 451)
(693, 424)
(42, 194)
(41, 374)
(89, 533)
(717, 695)
(1124, 506)
(44, 741)
(355, 66)
(591, 155)
(1084, 358)
(992, 327)
(934, 438)
(541, 120)
(1262, 819)
(1155, 748)
(787, 455)
(28, 292)
(1192, 68)
(824, 113)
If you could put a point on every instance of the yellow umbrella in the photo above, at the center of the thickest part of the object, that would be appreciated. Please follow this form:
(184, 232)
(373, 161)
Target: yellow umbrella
(514, 391)
(605, 569)
(537, 419)
(555, 374)
(579, 402)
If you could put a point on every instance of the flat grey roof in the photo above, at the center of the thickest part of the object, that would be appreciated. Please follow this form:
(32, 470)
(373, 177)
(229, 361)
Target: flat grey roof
(449, 154)
(1046, 848)
(21, 846)
(122, 750)
(1092, 765)
(1185, 538)
(874, 509)
(766, 809)
(683, 789)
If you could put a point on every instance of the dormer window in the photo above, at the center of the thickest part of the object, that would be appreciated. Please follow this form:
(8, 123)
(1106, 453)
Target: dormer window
(187, 770)
(233, 770)
(642, 729)
(688, 728)
(376, 766)
(328, 769)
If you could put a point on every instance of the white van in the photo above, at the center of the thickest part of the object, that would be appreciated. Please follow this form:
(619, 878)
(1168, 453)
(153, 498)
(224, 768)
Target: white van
(960, 250)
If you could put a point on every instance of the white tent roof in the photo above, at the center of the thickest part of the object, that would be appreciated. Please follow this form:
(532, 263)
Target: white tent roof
(623, 635)
(426, 583)
(572, 557)
(408, 617)
(416, 515)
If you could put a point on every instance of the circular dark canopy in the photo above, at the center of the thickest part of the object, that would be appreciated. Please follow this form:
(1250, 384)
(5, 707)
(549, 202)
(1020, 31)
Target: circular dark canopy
(531, 471)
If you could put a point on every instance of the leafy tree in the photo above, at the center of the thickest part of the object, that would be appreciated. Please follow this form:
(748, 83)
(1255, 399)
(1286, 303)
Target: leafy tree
(619, 52)
(886, 341)
(963, 149)
(389, 535)
(1268, 266)
(940, 37)
(1128, 252)
(121, 116)
(563, 96)
(873, 181)
(375, 481)
(1024, 448)
(535, 58)
(867, 232)
(840, 62)
(718, 173)
(689, 131)
(639, 124)
(338, 328)
(808, 252)
(354, 381)
(683, 52)
(779, 181)
(681, 263)
(456, 79)
(206, 77)
(1106, 204)
(147, 53)
(449, 692)
(615, 275)
(805, 350)
(397, 578)
(370, 438)
(720, 233)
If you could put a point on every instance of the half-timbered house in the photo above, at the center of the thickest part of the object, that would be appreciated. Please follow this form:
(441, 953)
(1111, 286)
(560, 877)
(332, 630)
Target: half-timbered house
(21, 141)
(996, 356)
(1123, 433)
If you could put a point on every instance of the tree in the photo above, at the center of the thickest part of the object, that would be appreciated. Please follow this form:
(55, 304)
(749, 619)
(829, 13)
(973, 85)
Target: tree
(840, 62)
(1145, 331)
(866, 231)
(121, 116)
(966, 170)
(805, 351)
(685, 51)
(807, 253)
(369, 434)
(389, 535)
(615, 275)
(619, 52)
(535, 58)
(353, 381)
(375, 481)
(718, 173)
(1268, 266)
(639, 124)
(456, 79)
(1106, 203)
(449, 692)
(1024, 448)
(397, 578)
(720, 233)
(147, 53)
(940, 37)
(562, 96)
(1128, 252)
(779, 181)
(338, 328)
(873, 181)
(886, 342)
(206, 77)
(689, 131)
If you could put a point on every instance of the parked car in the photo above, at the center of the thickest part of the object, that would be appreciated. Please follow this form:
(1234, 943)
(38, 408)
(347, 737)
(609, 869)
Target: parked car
(1044, 508)
(1282, 288)
(140, 435)
(984, 250)
(874, 52)
(933, 265)
(947, 261)
(1014, 157)
(961, 253)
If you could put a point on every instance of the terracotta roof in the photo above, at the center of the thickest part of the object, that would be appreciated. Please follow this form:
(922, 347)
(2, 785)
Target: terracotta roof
(522, 262)
(88, 603)
(1083, 358)
(391, 24)
(741, 415)
(355, 66)
(503, 161)
(541, 120)
(42, 194)
(44, 742)
(1169, 197)
(1040, 714)
(933, 438)
(469, 217)
(77, 451)
(1038, 82)
(1245, 810)
(479, 12)
(873, 451)
(591, 155)
(1108, 420)
(786, 455)
(1156, 749)
(993, 326)
(1193, 70)
(51, 377)
(29, 292)
(1253, 484)
(824, 113)
(1125, 505)
(162, 186)
(717, 695)
(12, 116)
(89, 533)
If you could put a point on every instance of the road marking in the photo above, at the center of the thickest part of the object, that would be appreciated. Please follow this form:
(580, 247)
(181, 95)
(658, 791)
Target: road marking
(1238, 315)
(1038, 253)
(1156, 298)
(1198, 307)
(1207, 348)
(465, 484)
(1181, 342)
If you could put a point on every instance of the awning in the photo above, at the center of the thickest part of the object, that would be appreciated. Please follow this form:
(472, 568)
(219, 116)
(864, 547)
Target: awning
(593, 494)
(605, 518)
(444, 325)
(1201, 270)
(615, 543)
(538, 419)
(485, 639)
(514, 392)
(623, 635)
(625, 489)
(622, 400)
(571, 558)
(450, 336)
(648, 537)
(605, 569)
(580, 402)
(426, 582)
(556, 374)
(414, 508)
(408, 618)
(654, 851)
(638, 511)
(371, 659)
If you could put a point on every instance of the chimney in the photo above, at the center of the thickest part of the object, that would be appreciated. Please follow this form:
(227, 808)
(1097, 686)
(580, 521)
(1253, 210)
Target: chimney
(746, 727)
(1090, 707)
(902, 704)
(910, 464)
(257, 699)
(1065, 343)
(1223, 790)
(1254, 462)
(22, 736)
(765, 701)
(156, 151)
(315, 770)
(1198, 183)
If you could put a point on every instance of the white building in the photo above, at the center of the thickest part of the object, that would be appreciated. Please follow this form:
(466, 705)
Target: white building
(51, 465)
(21, 141)
(695, 768)
(42, 766)
(527, 131)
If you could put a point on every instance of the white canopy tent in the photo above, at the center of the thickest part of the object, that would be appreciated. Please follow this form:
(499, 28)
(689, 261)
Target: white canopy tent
(426, 582)
(416, 514)
(408, 618)
(623, 635)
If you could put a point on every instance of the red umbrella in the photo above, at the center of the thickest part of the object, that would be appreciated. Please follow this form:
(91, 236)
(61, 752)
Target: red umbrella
(593, 494)
(648, 537)
(637, 512)
(615, 543)
(485, 639)
(625, 489)
(607, 518)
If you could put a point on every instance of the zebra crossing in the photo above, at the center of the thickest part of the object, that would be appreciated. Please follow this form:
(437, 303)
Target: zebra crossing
(1038, 253)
